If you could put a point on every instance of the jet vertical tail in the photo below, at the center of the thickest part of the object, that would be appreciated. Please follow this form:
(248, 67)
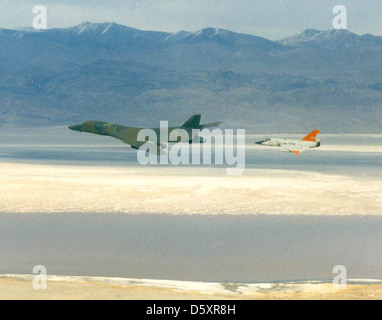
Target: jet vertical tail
(312, 137)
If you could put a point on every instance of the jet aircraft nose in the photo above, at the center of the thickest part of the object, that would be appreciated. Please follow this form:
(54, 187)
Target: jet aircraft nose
(76, 127)
(260, 142)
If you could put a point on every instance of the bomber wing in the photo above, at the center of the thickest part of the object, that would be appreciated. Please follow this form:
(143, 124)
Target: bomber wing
(129, 136)
(135, 144)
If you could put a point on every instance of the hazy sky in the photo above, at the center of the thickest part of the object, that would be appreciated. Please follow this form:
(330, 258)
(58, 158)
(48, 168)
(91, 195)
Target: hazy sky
(273, 19)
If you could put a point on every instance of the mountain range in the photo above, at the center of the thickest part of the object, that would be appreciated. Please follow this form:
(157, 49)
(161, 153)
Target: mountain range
(328, 80)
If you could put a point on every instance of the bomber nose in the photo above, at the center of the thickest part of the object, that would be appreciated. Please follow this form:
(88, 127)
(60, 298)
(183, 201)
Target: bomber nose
(76, 127)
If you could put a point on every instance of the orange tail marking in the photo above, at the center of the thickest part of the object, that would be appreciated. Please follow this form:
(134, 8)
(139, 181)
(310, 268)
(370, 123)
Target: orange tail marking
(311, 136)
(295, 152)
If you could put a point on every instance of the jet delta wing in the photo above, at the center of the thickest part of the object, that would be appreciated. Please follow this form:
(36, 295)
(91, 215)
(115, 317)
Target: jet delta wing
(294, 146)
(295, 150)
(129, 134)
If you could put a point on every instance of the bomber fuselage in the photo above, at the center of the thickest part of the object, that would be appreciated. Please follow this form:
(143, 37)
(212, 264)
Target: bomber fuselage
(122, 132)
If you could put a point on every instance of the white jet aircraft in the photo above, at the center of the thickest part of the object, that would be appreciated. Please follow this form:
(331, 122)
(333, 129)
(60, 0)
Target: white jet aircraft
(294, 146)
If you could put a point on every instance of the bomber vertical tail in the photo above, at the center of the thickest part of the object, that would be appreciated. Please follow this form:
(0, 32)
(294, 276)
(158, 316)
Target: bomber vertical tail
(193, 122)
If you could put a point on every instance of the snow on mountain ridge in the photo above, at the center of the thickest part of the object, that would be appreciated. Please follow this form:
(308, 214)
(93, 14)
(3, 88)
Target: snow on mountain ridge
(328, 37)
